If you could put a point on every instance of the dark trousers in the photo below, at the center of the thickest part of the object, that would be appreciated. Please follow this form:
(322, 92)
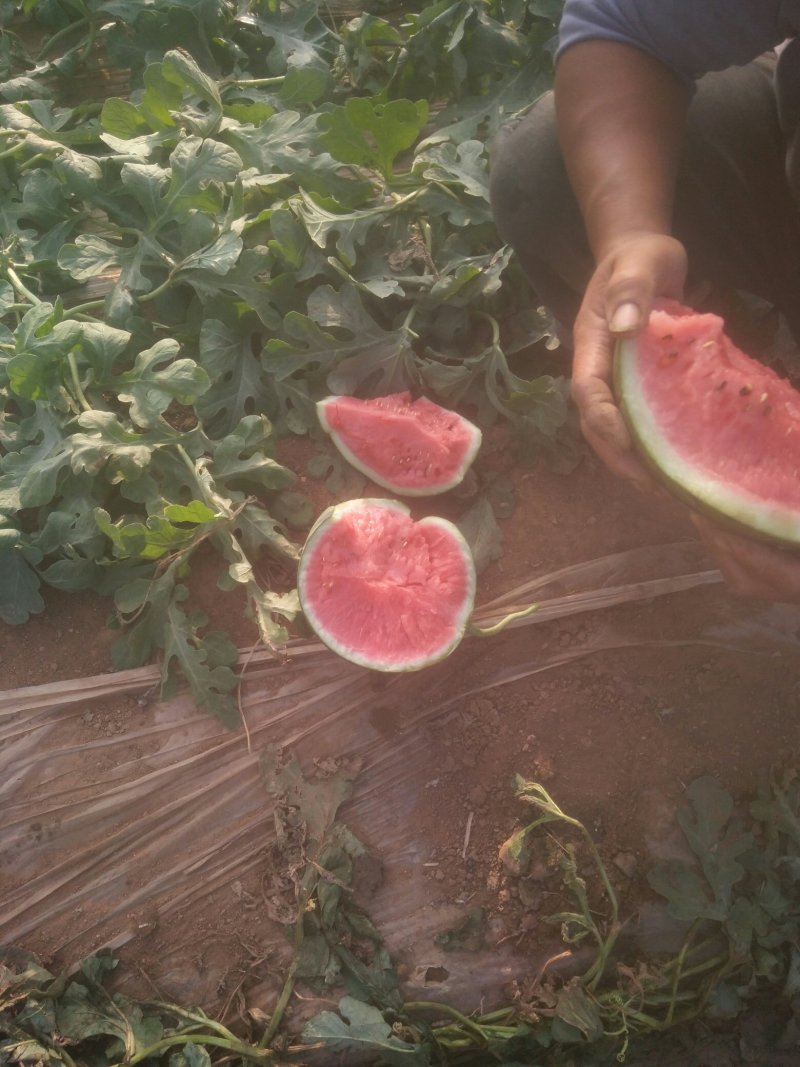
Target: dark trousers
(734, 210)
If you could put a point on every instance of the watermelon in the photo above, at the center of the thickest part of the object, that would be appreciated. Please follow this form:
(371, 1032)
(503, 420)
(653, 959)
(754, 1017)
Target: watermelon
(383, 590)
(408, 445)
(720, 429)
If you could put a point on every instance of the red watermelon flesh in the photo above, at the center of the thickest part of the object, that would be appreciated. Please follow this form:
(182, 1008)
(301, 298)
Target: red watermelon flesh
(411, 446)
(383, 590)
(722, 428)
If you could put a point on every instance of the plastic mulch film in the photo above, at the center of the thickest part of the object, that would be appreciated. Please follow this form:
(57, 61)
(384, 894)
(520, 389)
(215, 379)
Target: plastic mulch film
(122, 814)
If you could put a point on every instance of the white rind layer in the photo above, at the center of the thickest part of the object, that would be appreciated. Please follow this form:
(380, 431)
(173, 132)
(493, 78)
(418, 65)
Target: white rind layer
(475, 439)
(774, 521)
(334, 514)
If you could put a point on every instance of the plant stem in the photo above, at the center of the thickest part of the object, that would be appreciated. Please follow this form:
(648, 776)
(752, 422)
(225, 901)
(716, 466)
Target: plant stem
(487, 631)
(681, 958)
(495, 326)
(90, 305)
(20, 288)
(454, 1044)
(214, 504)
(254, 83)
(447, 1009)
(288, 985)
(199, 1020)
(247, 1052)
(493, 1016)
(159, 289)
(76, 383)
(33, 161)
(536, 794)
(668, 998)
(7, 153)
(51, 42)
(408, 320)
(90, 39)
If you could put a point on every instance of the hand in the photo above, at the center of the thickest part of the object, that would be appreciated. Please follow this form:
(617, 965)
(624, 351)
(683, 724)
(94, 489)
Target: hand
(752, 568)
(617, 304)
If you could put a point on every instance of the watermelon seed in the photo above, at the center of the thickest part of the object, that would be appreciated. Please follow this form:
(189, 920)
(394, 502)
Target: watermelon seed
(721, 386)
(763, 397)
(667, 337)
(708, 344)
(746, 390)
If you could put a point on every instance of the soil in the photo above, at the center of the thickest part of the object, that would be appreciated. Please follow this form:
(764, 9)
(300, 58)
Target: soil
(614, 711)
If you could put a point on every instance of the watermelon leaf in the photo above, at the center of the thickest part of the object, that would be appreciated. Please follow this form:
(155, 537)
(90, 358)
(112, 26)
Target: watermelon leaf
(361, 1027)
(463, 165)
(19, 582)
(373, 134)
(718, 841)
(482, 533)
(237, 385)
(361, 354)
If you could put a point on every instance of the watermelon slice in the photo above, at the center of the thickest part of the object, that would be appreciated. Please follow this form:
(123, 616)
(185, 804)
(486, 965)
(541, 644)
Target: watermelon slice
(721, 429)
(383, 590)
(410, 446)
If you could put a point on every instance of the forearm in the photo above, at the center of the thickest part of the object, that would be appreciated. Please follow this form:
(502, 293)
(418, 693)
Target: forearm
(621, 115)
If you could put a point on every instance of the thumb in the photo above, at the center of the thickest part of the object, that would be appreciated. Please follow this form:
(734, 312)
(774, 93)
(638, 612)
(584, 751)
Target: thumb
(629, 316)
(642, 269)
(629, 298)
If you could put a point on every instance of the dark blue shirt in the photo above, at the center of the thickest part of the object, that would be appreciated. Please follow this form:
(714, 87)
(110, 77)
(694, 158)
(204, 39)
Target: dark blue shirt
(691, 37)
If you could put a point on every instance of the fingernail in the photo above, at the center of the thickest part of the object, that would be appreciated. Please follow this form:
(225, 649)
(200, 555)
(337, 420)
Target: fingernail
(625, 318)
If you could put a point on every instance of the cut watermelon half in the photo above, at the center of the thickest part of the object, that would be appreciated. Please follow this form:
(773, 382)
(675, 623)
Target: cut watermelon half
(721, 429)
(410, 446)
(385, 591)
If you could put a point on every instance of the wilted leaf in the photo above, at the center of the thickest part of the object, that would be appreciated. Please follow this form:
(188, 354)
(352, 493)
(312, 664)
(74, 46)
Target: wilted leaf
(362, 1027)
(468, 936)
(310, 802)
(575, 1007)
(483, 535)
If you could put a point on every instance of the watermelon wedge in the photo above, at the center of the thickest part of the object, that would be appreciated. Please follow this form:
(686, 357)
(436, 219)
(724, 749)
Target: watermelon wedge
(719, 428)
(385, 591)
(412, 447)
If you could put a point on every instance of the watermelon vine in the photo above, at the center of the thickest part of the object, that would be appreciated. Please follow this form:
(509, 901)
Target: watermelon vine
(215, 213)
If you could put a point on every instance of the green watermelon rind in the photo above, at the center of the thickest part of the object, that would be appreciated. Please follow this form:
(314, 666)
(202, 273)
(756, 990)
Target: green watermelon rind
(475, 439)
(740, 511)
(335, 512)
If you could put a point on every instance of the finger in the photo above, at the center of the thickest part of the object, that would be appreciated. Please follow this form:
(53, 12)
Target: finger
(641, 271)
(601, 422)
(591, 391)
(605, 431)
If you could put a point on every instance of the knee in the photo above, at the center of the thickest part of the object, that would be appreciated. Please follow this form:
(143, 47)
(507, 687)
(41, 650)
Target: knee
(527, 180)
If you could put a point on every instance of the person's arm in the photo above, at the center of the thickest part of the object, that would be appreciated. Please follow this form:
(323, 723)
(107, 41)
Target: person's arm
(620, 115)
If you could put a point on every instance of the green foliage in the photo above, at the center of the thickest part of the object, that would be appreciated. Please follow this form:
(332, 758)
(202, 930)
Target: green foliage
(273, 212)
(741, 865)
(50, 1021)
(737, 895)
